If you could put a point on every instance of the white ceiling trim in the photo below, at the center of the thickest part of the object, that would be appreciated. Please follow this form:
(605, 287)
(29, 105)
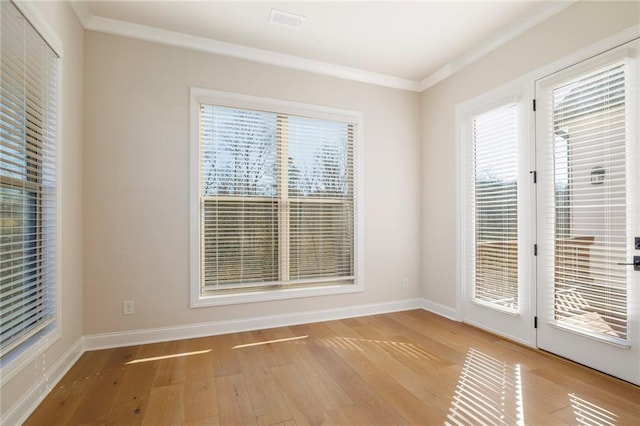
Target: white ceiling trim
(177, 39)
(494, 43)
(82, 11)
(172, 38)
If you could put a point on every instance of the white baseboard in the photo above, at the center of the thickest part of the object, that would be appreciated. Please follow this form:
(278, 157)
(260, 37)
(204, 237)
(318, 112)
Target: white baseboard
(442, 310)
(20, 411)
(501, 333)
(30, 401)
(153, 335)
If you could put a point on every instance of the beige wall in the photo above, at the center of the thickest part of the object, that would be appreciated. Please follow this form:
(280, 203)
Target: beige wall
(59, 17)
(136, 179)
(576, 27)
(125, 205)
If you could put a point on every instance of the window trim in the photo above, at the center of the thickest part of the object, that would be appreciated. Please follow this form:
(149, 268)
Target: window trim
(30, 350)
(234, 100)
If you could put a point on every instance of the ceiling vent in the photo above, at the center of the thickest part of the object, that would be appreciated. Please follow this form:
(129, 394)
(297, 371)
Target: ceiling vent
(286, 19)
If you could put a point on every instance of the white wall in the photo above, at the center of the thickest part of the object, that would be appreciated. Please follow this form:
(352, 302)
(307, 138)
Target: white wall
(136, 179)
(576, 27)
(25, 388)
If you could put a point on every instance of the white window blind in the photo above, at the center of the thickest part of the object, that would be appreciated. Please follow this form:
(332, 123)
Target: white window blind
(277, 200)
(495, 207)
(320, 176)
(28, 70)
(239, 155)
(588, 116)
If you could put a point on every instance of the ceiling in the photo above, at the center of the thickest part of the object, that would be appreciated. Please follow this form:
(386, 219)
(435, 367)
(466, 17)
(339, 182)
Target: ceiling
(409, 45)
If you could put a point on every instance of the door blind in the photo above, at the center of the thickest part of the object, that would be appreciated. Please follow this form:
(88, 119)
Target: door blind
(495, 206)
(588, 116)
(27, 180)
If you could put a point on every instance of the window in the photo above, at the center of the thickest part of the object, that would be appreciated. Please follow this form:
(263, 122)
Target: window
(276, 199)
(495, 199)
(495, 204)
(589, 163)
(28, 236)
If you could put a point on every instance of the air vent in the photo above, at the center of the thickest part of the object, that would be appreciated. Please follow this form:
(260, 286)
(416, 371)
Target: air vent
(286, 19)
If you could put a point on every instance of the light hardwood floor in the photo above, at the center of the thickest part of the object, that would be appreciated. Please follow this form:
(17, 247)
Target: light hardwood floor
(409, 367)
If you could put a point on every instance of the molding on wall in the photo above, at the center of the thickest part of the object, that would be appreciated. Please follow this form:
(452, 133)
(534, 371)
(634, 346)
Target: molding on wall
(440, 309)
(188, 331)
(187, 41)
(172, 38)
(82, 11)
(494, 43)
(20, 411)
(501, 333)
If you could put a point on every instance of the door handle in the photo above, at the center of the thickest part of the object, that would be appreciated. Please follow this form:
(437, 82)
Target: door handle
(636, 263)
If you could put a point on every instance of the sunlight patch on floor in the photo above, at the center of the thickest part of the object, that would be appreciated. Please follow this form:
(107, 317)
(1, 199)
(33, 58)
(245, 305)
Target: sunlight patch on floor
(588, 413)
(156, 358)
(352, 343)
(268, 342)
(489, 391)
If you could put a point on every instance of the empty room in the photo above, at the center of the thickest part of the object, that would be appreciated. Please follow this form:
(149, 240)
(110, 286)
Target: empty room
(316, 212)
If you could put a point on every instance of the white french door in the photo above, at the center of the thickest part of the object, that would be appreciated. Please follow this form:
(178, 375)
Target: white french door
(496, 257)
(550, 212)
(588, 212)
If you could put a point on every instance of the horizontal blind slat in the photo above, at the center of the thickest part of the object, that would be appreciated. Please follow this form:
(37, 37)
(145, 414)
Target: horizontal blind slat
(495, 207)
(28, 74)
(589, 219)
(242, 187)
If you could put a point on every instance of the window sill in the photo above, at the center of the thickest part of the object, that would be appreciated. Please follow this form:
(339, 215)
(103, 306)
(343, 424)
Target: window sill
(14, 363)
(199, 301)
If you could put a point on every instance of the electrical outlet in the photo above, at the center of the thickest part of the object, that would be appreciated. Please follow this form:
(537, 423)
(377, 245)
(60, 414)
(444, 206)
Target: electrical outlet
(405, 282)
(127, 307)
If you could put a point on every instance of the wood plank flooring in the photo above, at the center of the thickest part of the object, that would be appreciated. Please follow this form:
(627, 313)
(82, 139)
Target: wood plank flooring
(409, 367)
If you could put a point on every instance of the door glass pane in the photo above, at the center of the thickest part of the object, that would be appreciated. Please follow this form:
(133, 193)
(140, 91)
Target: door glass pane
(495, 144)
(590, 289)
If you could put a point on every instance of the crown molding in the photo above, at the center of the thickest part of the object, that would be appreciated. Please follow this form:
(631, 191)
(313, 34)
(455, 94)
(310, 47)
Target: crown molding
(494, 43)
(172, 38)
(177, 39)
(82, 11)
